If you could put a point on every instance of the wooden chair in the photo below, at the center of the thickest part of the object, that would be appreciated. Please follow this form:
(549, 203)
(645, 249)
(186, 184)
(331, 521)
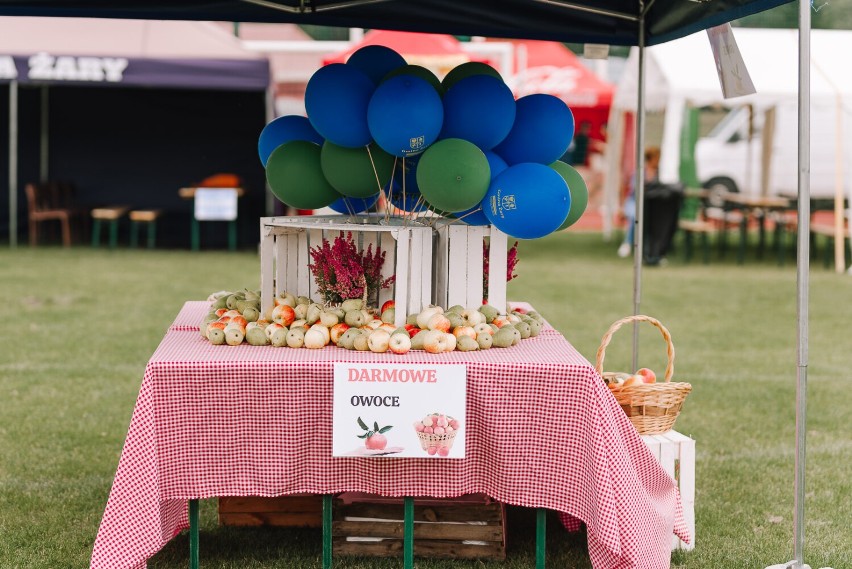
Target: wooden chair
(51, 201)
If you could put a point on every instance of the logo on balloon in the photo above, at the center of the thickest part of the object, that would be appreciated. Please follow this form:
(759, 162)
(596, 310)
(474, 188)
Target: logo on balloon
(509, 202)
(417, 143)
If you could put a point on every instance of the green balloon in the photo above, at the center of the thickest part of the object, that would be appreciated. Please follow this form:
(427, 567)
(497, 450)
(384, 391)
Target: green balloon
(459, 72)
(453, 175)
(417, 71)
(578, 190)
(352, 171)
(295, 176)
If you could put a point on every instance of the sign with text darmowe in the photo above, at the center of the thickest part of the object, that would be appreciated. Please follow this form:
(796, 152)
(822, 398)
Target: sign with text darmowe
(399, 410)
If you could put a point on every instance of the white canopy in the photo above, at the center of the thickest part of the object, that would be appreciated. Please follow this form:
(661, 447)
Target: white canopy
(683, 73)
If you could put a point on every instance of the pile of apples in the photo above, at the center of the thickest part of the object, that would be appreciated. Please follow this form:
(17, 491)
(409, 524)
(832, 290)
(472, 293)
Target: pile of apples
(297, 321)
(437, 424)
(623, 380)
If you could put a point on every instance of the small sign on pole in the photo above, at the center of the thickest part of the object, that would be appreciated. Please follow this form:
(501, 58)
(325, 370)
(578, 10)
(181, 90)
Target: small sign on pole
(733, 75)
(399, 410)
(216, 204)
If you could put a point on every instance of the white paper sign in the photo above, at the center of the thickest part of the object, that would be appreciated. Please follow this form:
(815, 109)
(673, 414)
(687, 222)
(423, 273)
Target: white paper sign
(216, 204)
(733, 75)
(399, 410)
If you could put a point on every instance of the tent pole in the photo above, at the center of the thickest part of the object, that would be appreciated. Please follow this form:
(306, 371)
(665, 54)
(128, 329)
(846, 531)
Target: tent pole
(44, 169)
(639, 189)
(13, 164)
(802, 273)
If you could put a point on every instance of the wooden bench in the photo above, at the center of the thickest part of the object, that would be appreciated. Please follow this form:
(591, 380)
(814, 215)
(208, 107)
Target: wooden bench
(827, 230)
(111, 215)
(148, 218)
(700, 227)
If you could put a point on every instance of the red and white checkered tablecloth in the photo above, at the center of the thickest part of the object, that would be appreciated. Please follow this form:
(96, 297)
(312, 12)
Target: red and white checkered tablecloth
(257, 421)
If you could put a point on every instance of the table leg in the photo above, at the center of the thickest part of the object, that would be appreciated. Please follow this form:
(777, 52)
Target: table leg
(540, 537)
(408, 533)
(232, 235)
(743, 238)
(326, 530)
(196, 235)
(193, 534)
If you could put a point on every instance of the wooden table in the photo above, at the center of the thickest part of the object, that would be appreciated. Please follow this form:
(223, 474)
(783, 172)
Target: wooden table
(757, 207)
(543, 431)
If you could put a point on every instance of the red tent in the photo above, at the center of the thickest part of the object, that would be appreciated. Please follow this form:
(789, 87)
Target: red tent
(550, 67)
(437, 52)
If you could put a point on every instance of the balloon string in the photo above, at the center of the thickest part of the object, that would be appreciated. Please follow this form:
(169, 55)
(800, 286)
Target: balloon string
(459, 218)
(379, 182)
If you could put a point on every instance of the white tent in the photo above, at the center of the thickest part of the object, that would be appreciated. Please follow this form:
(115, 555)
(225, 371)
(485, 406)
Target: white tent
(682, 73)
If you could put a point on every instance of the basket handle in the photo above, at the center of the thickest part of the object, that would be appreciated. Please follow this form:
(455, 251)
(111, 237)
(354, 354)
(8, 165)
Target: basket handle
(638, 318)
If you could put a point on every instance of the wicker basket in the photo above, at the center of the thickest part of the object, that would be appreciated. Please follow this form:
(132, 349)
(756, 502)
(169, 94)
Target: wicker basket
(438, 441)
(651, 407)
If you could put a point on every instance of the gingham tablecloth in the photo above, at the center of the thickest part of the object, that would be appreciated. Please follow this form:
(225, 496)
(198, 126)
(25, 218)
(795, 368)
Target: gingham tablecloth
(542, 431)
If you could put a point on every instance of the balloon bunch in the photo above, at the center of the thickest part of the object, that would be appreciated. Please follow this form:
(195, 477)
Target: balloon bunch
(462, 147)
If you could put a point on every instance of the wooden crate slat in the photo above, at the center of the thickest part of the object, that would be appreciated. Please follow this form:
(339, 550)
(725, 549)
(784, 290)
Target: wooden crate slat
(267, 266)
(497, 257)
(474, 291)
(425, 548)
(403, 260)
(441, 267)
(457, 275)
(416, 275)
(388, 244)
(292, 278)
(277, 519)
(426, 278)
(490, 513)
(422, 530)
(289, 503)
(314, 240)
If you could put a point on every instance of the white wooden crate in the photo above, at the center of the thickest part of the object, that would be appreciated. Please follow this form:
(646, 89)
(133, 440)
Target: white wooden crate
(459, 266)
(676, 453)
(286, 242)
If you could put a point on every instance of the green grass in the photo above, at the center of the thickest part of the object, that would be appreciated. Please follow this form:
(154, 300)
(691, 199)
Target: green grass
(80, 325)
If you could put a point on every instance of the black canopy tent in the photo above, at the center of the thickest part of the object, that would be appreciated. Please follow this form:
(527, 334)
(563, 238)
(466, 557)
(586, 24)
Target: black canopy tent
(613, 22)
(129, 111)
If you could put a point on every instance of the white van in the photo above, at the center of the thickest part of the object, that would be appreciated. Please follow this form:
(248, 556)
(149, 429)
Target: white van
(726, 160)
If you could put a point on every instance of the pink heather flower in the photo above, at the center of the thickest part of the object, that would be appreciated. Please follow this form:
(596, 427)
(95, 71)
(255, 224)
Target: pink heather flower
(342, 272)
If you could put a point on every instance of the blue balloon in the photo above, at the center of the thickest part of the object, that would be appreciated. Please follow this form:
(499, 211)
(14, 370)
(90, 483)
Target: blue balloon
(479, 109)
(376, 61)
(496, 163)
(282, 130)
(336, 99)
(353, 205)
(527, 201)
(405, 115)
(544, 126)
(476, 214)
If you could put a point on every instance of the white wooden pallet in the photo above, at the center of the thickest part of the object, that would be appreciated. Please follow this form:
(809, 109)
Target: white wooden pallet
(676, 453)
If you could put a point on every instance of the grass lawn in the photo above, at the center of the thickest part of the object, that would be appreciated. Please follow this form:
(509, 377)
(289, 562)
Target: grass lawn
(81, 325)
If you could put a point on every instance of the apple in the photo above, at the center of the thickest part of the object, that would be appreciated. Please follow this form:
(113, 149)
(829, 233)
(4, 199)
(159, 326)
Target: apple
(284, 298)
(389, 315)
(483, 328)
(326, 334)
(234, 335)
(633, 380)
(301, 311)
(451, 342)
(296, 337)
(464, 331)
(438, 322)
(314, 339)
(386, 305)
(283, 314)
(376, 442)
(648, 375)
(399, 343)
(379, 341)
(434, 341)
(473, 317)
(216, 336)
(426, 314)
(270, 330)
(337, 331)
(355, 318)
(328, 319)
(389, 328)
(412, 330)
(361, 343)
(278, 338)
